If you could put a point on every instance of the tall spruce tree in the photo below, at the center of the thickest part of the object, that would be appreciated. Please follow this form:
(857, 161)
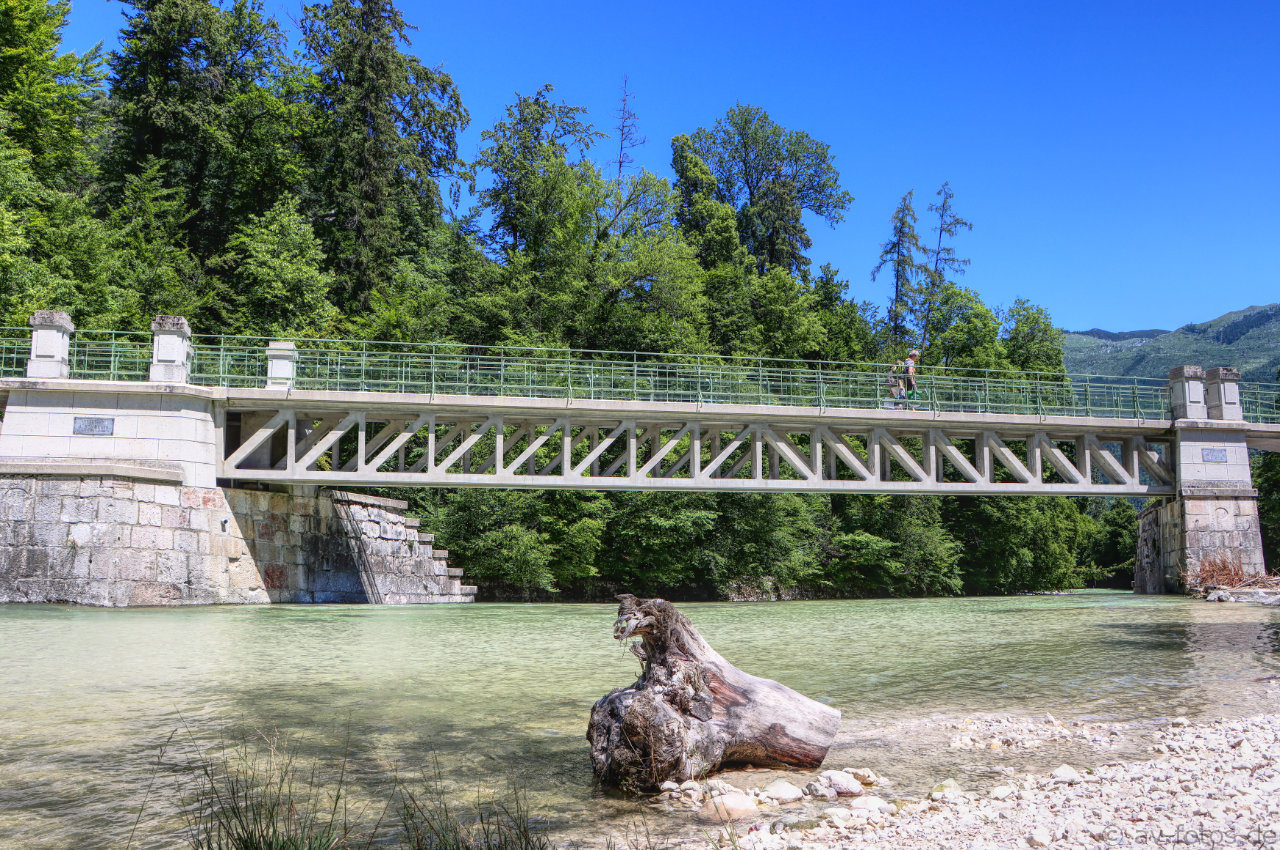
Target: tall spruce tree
(388, 135)
(943, 262)
(204, 95)
(49, 97)
(901, 253)
(54, 253)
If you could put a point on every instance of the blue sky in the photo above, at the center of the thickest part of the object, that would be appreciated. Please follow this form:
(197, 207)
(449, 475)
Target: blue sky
(1120, 162)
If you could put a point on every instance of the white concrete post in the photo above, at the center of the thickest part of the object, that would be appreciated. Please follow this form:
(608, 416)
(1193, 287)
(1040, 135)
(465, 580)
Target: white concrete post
(1222, 390)
(282, 362)
(1186, 392)
(50, 344)
(170, 349)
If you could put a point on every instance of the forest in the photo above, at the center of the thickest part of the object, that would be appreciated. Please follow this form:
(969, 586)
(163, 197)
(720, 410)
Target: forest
(210, 168)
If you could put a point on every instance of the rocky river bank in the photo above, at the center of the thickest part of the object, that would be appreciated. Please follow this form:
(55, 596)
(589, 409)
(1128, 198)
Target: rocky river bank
(1207, 783)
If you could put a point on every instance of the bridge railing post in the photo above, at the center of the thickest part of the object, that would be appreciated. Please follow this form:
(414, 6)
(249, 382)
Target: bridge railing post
(1186, 393)
(170, 349)
(282, 364)
(50, 344)
(1222, 391)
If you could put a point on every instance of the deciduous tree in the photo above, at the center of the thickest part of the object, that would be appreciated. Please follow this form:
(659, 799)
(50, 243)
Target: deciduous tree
(769, 174)
(1031, 342)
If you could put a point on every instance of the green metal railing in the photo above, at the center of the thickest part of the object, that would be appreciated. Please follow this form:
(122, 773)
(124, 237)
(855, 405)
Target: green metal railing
(1261, 402)
(111, 355)
(223, 361)
(15, 350)
(339, 365)
(455, 369)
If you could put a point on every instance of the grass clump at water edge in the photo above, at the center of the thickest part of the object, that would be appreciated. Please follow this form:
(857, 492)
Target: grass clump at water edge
(248, 798)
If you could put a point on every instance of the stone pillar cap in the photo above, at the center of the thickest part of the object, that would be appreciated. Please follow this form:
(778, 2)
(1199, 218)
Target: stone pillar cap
(172, 324)
(1223, 373)
(1183, 373)
(51, 319)
(282, 345)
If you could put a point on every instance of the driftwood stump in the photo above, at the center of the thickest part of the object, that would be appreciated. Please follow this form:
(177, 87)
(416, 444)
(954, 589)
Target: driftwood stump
(692, 713)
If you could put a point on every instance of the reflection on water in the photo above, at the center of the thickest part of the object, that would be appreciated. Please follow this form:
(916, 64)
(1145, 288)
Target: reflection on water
(501, 692)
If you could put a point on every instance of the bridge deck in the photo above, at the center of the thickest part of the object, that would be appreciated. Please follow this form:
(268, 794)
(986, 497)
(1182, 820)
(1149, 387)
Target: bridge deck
(352, 413)
(451, 369)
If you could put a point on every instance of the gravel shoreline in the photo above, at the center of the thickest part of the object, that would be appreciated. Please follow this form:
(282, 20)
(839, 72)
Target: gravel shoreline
(1210, 783)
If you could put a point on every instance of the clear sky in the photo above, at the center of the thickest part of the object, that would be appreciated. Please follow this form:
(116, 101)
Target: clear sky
(1120, 161)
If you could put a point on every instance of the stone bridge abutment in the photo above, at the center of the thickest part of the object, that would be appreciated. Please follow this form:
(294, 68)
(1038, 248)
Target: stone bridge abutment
(109, 495)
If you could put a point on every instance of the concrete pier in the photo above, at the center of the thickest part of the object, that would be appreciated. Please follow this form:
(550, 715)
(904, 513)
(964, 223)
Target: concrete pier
(1213, 515)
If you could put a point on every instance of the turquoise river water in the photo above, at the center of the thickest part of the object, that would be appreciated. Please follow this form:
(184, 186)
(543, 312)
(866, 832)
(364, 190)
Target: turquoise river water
(499, 693)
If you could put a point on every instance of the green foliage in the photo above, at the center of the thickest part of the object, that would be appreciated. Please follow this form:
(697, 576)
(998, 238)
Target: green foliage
(1031, 342)
(1266, 477)
(784, 317)
(49, 98)
(54, 253)
(527, 158)
(657, 540)
(768, 175)
(943, 263)
(1109, 540)
(925, 556)
(274, 262)
(526, 542)
(965, 332)
(1018, 543)
(848, 327)
(201, 94)
(765, 541)
(902, 253)
(386, 132)
(156, 266)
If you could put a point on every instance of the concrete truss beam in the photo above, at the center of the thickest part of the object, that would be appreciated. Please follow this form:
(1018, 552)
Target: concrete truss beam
(358, 446)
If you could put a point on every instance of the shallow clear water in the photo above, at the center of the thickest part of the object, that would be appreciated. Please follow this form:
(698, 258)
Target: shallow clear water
(88, 697)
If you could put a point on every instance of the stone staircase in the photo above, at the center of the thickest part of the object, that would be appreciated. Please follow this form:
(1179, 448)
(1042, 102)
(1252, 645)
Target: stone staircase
(399, 563)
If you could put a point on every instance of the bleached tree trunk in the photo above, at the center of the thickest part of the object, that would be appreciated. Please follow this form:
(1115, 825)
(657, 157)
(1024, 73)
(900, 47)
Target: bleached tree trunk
(692, 713)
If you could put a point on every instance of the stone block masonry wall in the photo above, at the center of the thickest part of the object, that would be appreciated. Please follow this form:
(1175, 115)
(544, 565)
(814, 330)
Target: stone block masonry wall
(119, 541)
(1176, 536)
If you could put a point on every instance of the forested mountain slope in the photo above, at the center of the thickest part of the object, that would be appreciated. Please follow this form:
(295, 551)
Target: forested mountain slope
(1247, 339)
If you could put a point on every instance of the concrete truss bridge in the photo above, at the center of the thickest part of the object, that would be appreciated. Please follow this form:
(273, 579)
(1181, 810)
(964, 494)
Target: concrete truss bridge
(341, 413)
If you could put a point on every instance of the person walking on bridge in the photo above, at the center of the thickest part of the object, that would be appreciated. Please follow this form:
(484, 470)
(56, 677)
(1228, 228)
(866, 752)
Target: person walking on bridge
(894, 379)
(909, 373)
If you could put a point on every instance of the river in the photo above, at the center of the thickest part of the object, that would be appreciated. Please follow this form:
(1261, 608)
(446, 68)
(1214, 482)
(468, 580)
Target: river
(500, 693)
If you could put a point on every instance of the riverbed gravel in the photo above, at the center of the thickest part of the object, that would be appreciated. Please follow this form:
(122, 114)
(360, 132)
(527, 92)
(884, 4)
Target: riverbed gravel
(1212, 783)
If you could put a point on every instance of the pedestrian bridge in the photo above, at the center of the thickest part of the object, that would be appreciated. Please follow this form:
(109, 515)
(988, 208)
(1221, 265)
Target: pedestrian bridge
(218, 413)
(348, 413)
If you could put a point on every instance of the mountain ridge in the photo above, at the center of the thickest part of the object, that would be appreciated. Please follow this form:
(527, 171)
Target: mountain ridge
(1248, 339)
